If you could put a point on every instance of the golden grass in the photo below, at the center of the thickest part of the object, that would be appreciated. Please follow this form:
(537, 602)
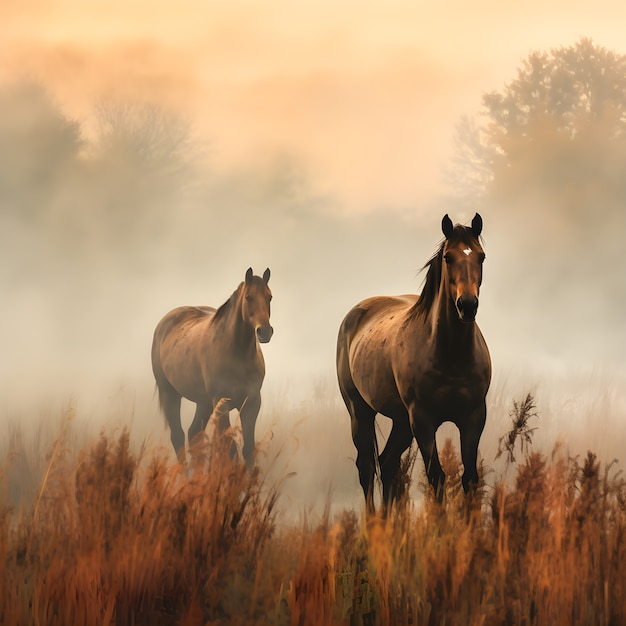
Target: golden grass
(119, 537)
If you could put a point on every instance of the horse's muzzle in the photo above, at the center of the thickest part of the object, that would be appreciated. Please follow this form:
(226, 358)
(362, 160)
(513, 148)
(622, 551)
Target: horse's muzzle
(467, 307)
(264, 333)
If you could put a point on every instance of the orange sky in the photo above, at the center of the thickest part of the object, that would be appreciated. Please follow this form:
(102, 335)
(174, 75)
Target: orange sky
(364, 94)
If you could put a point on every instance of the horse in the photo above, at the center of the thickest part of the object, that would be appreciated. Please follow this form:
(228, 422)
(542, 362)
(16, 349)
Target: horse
(213, 358)
(419, 360)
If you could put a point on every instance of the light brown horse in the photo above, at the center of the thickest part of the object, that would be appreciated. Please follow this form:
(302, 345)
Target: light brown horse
(420, 360)
(208, 355)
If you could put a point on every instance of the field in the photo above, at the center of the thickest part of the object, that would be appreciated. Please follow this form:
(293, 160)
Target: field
(103, 530)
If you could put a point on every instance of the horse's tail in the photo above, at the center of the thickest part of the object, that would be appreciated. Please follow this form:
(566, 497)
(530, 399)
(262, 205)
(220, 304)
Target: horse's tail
(162, 385)
(157, 369)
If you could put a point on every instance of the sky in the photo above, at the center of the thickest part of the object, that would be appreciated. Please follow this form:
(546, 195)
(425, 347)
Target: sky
(365, 93)
(359, 99)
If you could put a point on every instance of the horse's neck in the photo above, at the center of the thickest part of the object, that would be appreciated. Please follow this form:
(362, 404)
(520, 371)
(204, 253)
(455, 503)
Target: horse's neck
(241, 333)
(450, 335)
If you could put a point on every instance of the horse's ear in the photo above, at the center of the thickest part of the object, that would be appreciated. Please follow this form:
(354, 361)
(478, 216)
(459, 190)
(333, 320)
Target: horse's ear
(477, 225)
(249, 276)
(266, 275)
(447, 226)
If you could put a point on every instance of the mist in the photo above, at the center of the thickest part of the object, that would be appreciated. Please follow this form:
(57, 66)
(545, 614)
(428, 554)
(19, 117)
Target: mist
(112, 217)
(96, 261)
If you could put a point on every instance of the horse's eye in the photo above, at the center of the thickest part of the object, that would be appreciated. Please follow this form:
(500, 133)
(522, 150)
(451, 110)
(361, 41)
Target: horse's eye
(248, 298)
(447, 257)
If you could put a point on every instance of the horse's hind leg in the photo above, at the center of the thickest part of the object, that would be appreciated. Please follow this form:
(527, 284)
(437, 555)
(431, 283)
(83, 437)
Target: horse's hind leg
(364, 437)
(169, 400)
(399, 440)
(361, 413)
(170, 404)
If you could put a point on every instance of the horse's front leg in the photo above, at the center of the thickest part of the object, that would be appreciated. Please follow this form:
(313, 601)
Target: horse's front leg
(399, 440)
(471, 432)
(221, 418)
(424, 432)
(248, 414)
(200, 419)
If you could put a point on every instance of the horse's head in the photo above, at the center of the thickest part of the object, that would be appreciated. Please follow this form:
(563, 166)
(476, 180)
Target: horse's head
(256, 304)
(462, 267)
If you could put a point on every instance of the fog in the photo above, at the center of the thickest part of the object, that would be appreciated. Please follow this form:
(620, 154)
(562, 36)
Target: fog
(129, 187)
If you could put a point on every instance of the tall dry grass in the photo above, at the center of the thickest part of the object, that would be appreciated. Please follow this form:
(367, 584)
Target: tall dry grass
(114, 538)
(118, 536)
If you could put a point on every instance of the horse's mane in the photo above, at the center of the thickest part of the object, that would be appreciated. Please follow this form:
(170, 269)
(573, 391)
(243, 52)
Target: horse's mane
(431, 284)
(433, 276)
(223, 310)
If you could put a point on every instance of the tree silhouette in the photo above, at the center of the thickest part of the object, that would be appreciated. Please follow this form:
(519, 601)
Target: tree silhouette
(145, 138)
(560, 123)
(39, 146)
(142, 162)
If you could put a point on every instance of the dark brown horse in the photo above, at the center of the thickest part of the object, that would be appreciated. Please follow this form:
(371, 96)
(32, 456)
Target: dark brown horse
(208, 355)
(420, 360)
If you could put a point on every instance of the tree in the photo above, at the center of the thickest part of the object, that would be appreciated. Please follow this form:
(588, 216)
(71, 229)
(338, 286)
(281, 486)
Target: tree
(147, 138)
(560, 123)
(38, 147)
(141, 162)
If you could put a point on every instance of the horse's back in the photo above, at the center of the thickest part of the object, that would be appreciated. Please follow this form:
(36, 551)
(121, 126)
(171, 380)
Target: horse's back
(365, 348)
(181, 321)
(184, 315)
(176, 340)
(379, 315)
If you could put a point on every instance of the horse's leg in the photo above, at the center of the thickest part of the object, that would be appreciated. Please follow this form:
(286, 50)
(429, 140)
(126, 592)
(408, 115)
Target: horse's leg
(363, 434)
(470, 436)
(364, 438)
(399, 440)
(424, 432)
(362, 415)
(200, 420)
(248, 414)
(170, 404)
(222, 416)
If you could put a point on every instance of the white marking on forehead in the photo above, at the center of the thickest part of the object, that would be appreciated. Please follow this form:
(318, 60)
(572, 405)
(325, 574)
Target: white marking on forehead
(467, 251)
